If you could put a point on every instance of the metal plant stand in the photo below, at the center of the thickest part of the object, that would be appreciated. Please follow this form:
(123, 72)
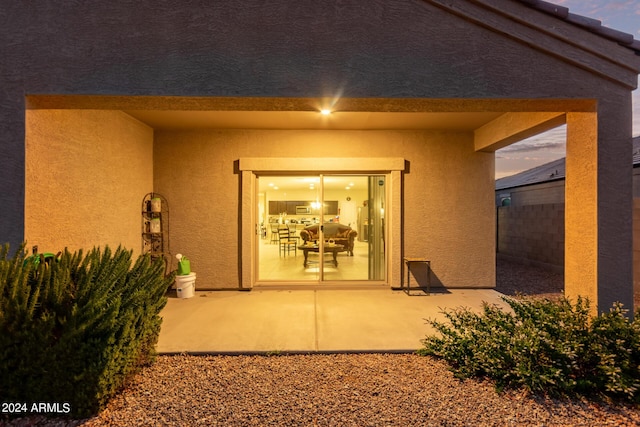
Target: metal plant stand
(155, 228)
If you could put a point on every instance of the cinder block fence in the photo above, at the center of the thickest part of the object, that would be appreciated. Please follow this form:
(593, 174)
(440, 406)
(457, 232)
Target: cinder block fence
(532, 232)
(535, 234)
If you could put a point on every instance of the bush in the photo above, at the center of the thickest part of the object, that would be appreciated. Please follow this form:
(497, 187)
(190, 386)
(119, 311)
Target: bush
(546, 346)
(75, 330)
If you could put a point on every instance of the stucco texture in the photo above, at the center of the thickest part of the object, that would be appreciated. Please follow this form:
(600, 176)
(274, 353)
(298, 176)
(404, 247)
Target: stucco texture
(488, 50)
(86, 174)
(448, 195)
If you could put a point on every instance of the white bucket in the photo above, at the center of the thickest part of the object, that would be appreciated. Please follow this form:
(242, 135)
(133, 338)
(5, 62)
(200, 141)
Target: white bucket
(185, 285)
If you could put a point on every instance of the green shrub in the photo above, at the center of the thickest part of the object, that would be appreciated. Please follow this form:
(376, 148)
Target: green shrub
(75, 330)
(553, 347)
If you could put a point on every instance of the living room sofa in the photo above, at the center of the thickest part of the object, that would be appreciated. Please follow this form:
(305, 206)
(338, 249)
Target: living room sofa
(341, 234)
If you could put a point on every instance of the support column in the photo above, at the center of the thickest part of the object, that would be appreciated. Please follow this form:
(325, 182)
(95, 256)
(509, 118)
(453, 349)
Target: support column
(581, 208)
(615, 202)
(12, 167)
(598, 221)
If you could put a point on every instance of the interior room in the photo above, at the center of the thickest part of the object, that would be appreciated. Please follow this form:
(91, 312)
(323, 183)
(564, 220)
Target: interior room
(299, 204)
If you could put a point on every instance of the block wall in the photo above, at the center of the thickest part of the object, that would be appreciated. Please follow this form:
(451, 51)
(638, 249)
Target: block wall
(532, 232)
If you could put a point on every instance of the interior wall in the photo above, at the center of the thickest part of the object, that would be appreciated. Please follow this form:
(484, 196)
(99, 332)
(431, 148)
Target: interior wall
(449, 215)
(356, 195)
(86, 174)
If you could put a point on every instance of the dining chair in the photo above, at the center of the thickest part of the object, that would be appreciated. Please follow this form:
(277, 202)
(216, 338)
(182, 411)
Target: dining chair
(286, 242)
(274, 233)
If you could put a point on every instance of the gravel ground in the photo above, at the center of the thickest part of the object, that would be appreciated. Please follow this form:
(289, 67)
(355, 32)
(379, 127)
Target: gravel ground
(518, 279)
(333, 390)
(513, 278)
(341, 389)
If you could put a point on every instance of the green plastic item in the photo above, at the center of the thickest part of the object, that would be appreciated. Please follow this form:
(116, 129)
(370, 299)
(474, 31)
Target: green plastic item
(184, 266)
(35, 259)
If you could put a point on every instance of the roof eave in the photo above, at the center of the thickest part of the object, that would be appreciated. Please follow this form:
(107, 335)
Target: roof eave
(548, 30)
(560, 178)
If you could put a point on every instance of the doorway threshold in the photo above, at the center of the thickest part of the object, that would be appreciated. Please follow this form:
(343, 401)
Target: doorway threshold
(288, 286)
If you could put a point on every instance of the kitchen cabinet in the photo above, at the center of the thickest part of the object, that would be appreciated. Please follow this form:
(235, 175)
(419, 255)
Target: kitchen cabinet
(330, 207)
(276, 207)
(291, 207)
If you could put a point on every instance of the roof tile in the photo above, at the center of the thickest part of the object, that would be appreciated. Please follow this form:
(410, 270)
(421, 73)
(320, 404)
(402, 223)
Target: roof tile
(593, 25)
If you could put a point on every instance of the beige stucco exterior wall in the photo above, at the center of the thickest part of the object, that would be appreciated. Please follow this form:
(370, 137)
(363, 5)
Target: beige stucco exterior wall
(86, 174)
(636, 253)
(448, 195)
(478, 50)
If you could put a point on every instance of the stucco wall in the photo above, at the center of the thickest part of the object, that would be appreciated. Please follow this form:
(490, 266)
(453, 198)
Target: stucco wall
(86, 174)
(371, 49)
(636, 252)
(636, 182)
(449, 214)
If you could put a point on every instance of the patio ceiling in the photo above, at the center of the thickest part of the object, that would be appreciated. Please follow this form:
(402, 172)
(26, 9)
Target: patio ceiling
(498, 121)
(340, 120)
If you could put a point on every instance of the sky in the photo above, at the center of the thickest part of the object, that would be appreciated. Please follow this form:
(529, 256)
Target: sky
(622, 15)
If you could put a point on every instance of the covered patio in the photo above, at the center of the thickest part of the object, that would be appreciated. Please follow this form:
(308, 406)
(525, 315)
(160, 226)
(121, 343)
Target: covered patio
(307, 321)
(331, 320)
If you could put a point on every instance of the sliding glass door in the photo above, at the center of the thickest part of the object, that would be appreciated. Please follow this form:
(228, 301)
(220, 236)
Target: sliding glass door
(322, 228)
(376, 230)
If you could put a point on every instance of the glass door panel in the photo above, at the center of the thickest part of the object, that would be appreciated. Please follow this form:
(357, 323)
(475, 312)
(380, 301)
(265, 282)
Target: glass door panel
(335, 227)
(286, 206)
(376, 229)
(345, 253)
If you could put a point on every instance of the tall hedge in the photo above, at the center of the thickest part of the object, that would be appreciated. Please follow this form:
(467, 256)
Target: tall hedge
(74, 330)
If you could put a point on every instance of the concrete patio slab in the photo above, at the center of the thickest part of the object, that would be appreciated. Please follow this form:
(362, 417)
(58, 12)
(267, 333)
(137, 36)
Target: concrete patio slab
(307, 320)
